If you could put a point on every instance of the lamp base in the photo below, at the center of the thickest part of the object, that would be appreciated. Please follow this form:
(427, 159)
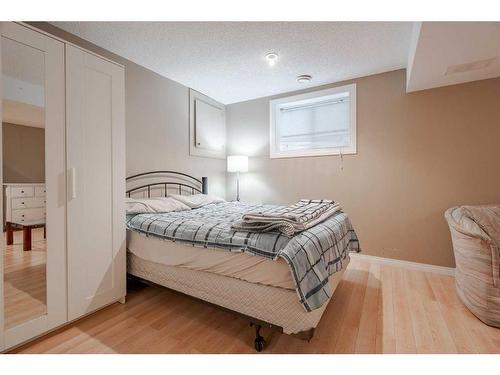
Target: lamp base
(237, 186)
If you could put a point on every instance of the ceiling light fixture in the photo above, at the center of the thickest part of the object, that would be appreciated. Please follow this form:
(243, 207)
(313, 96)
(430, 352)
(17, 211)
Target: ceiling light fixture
(304, 78)
(271, 58)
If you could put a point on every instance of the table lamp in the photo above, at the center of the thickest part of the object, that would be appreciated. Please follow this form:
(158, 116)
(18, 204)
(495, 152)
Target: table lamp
(238, 164)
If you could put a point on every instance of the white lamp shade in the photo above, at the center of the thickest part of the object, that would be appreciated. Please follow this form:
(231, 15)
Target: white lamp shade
(237, 163)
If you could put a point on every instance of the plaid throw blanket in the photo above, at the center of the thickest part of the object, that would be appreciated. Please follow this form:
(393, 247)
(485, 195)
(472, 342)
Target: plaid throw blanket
(288, 220)
(313, 255)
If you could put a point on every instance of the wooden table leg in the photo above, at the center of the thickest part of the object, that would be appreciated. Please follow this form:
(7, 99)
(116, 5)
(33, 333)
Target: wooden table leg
(27, 238)
(9, 234)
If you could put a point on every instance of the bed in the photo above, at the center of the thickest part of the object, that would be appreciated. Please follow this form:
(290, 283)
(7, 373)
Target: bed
(271, 279)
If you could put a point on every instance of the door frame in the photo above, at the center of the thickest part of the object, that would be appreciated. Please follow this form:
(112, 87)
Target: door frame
(55, 180)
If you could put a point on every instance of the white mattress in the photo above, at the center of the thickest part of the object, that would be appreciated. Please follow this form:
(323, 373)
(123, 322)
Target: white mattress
(243, 266)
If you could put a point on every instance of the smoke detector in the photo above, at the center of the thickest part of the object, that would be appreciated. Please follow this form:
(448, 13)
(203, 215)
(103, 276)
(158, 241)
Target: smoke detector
(304, 78)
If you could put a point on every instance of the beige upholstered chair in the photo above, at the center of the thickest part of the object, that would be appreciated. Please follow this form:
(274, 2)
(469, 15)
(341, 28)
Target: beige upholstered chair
(475, 233)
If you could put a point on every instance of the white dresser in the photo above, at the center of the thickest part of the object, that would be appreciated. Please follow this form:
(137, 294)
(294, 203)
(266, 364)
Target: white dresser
(24, 202)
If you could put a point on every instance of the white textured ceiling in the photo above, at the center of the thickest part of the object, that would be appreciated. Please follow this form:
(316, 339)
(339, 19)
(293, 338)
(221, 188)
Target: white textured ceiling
(225, 60)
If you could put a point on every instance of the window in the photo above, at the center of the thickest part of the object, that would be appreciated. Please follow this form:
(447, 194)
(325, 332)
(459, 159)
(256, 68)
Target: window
(317, 123)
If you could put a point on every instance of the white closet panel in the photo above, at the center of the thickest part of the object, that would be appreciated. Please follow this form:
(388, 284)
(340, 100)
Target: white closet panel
(53, 71)
(96, 174)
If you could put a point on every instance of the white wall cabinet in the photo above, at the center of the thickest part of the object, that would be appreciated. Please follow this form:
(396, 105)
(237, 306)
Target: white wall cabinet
(207, 126)
(85, 183)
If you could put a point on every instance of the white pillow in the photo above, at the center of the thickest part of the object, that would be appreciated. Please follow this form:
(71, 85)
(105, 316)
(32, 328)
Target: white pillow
(197, 200)
(153, 205)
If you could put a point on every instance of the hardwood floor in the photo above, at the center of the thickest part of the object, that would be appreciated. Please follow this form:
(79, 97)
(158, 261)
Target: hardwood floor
(376, 309)
(25, 279)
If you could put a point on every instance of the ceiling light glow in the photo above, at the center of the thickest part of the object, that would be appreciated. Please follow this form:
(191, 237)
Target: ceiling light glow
(271, 58)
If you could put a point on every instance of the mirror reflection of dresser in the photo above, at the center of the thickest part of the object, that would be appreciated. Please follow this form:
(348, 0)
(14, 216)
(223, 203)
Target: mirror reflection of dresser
(24, 209)
(24, 202)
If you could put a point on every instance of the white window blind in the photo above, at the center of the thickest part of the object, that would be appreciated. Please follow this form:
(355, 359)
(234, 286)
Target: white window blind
(318, 123)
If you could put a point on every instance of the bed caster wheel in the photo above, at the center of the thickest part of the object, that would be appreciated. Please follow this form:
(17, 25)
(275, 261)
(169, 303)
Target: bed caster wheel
(259, 343)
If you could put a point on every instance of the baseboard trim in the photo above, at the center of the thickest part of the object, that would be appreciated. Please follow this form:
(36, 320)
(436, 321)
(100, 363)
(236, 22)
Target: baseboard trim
(448, 271)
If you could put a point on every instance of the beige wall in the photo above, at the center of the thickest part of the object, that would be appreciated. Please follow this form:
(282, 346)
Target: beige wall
(157, 133)
(418, 154)
(157, 121)
(23, 153)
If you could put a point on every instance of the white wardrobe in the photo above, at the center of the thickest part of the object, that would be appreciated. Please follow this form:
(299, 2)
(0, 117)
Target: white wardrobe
(84, 118)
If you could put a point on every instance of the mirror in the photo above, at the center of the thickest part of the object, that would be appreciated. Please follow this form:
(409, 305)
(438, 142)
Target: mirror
(23, 163)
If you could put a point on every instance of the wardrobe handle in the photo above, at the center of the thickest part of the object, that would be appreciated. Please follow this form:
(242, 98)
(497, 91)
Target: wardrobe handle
(72, 183)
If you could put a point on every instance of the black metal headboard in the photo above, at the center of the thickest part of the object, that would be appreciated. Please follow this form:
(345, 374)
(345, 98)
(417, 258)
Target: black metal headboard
(168, 179)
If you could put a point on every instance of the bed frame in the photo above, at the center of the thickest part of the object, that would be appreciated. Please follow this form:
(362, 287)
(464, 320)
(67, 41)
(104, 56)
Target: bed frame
(164, 182)
(181, 181)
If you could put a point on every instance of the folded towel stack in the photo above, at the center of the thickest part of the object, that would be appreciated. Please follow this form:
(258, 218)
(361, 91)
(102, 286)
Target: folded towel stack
(288, 220)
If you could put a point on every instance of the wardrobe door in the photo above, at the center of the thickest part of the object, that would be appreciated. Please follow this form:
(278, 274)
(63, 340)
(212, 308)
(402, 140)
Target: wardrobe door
(95, 139)
(33, 106)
